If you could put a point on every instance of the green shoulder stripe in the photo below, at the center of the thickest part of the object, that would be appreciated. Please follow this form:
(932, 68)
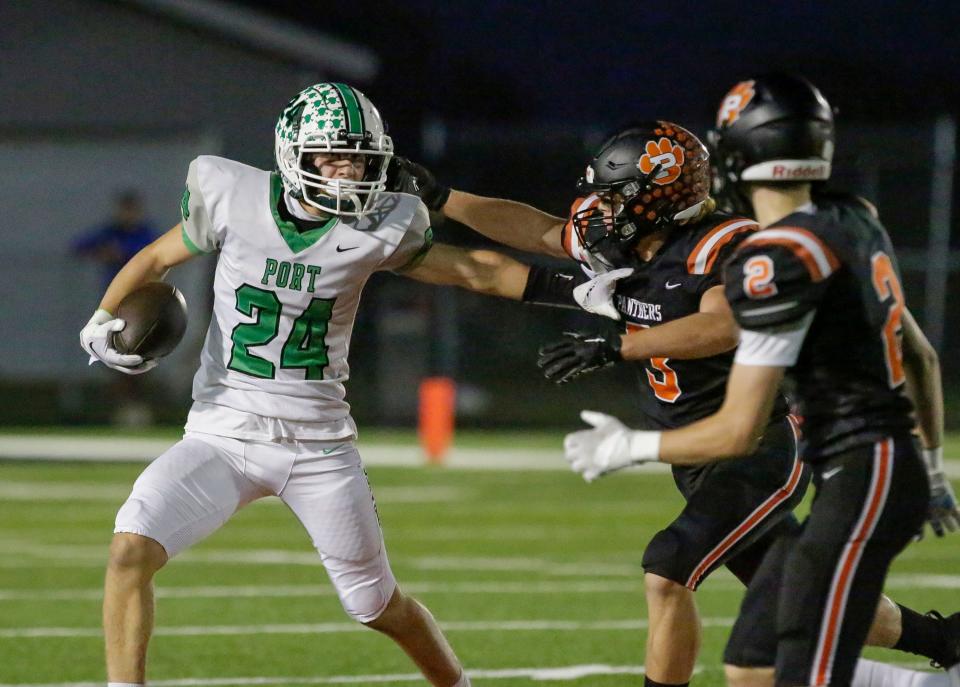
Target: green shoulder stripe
(191, 246)
(420, 254)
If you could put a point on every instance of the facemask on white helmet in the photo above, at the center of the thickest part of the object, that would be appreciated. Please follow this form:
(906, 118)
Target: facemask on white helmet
(332, 118)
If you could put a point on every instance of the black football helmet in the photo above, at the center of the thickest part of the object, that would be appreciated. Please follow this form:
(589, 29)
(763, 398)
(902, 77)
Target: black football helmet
(774, 128)
(648, 176)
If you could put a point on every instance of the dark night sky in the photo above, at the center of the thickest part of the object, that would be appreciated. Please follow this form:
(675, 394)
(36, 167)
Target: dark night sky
(571, 63)
(554, 66)
(578, 62)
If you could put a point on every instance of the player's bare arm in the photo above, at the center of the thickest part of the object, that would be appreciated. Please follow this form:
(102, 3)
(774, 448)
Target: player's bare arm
(482, 271)
(734, 430)
(508, 222)
(709, 332)
(150, 264)
(922, 368)
(505, 221)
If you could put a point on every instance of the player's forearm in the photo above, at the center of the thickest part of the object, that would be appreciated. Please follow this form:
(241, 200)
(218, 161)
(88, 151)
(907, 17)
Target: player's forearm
(921, 366)
(717, 437)
(495, 274)
(930, 409)
(508, 222)
(150, 264)
(696, 336)
(141, 269)
(735, 429)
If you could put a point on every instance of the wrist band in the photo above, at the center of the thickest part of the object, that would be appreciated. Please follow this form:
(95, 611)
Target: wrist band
(645, 446)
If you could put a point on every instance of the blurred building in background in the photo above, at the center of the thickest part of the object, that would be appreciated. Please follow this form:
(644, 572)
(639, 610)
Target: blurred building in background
(118, 94)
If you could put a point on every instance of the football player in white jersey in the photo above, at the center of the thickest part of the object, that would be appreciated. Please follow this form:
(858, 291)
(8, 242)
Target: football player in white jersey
(269, 417)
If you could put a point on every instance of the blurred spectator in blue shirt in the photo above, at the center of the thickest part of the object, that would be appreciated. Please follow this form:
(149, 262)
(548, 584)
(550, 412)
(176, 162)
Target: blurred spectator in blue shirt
(112, 244)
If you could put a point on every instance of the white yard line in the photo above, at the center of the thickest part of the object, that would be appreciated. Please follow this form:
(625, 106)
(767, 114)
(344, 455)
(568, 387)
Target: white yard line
(125, 449)
(345, 627)
(20, 553)
(312, 590)
(574, 672)
(34, 447)
(719, 582)
(13, 490)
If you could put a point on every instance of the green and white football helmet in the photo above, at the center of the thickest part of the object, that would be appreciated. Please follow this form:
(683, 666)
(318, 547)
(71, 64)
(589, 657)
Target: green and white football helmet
(332, 118)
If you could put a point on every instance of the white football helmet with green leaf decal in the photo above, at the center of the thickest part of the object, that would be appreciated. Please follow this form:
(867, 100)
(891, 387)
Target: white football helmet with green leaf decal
(332, 118)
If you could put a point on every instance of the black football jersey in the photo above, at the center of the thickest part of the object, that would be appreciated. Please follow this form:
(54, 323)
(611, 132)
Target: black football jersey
(674, 393)
(835, 264)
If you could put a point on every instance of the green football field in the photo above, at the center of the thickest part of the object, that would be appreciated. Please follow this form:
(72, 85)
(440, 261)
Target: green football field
(534, 575)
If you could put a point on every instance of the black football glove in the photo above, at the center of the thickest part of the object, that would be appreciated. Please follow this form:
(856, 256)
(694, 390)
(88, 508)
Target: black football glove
(406, 176)
(578, 353)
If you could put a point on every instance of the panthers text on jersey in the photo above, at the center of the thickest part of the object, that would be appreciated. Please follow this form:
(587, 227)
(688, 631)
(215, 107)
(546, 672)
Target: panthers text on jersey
(674, 393)
(832, 262)
(286, 292)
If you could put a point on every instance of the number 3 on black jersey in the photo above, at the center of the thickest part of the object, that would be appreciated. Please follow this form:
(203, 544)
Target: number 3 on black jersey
(667, 388)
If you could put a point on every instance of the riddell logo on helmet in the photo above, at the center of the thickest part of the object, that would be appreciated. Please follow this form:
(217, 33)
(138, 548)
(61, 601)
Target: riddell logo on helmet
(806, 172)
(665, 153)
(734, 102)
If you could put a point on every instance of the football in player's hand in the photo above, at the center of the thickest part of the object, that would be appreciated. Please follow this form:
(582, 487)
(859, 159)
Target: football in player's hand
(156, 318)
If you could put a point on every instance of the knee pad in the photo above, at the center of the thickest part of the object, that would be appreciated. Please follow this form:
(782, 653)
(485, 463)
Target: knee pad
(364, 587)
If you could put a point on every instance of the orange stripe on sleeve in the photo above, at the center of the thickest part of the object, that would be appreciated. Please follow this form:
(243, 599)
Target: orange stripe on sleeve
(705, 253)
(797, 250)
(816, 255)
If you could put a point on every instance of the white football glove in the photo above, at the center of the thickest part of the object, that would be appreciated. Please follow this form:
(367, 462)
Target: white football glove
(596, 295)
(95, 340)
(609, 446)
(942, 512)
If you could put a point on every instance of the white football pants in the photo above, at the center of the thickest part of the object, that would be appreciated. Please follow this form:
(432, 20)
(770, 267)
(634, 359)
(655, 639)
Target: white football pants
(195, 486)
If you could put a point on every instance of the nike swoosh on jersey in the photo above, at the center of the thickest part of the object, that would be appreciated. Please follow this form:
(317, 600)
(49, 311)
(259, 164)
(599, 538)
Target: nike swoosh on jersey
(672, 286)
(344, 250)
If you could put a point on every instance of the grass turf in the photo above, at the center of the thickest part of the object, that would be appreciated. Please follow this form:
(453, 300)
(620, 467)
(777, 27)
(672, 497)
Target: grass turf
(526, 570)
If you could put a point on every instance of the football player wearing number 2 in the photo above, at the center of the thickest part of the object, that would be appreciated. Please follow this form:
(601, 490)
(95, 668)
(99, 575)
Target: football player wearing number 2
(269, 417)
(648, 229)
(816, 291)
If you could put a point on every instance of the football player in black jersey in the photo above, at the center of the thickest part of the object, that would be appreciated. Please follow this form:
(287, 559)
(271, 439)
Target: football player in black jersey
(816, 291)
(648, 214)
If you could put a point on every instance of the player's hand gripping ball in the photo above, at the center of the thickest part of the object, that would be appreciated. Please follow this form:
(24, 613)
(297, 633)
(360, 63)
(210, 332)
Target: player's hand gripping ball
(156, 319)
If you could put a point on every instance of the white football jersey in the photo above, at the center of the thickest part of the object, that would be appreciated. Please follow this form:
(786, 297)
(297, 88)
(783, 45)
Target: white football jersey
(274, 361)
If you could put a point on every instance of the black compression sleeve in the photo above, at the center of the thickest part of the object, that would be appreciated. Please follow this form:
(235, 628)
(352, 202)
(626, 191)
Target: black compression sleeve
(547, 286)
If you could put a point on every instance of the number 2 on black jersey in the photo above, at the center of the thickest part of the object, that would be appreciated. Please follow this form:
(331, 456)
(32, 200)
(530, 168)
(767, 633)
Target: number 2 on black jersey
(758, 277)
(886, 284)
